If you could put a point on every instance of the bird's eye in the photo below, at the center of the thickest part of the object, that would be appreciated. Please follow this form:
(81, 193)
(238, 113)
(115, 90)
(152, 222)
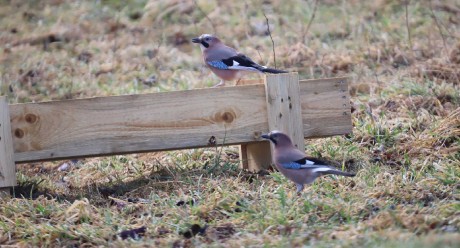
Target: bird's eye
(207, 39)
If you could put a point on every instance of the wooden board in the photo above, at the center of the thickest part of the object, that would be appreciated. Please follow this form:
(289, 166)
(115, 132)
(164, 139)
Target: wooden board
(326, 109)
(284, 106)
(7, 165)
(137, 123)
(335, 111)
(163, 121)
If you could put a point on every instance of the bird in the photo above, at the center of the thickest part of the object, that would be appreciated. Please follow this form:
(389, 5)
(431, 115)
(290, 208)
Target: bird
(295, 164)
(226, 62)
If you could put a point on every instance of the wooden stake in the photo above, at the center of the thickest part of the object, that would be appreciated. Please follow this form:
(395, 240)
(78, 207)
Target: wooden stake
(255, 156)
(7, 165)
(283, 113)
(284, 106)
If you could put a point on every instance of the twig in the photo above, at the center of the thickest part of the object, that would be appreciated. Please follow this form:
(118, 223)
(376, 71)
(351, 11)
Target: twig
(206, 16)
(219, 154)
(438, 26)
(369, 54)
(310, 22)
(407, 24)
(273, 42)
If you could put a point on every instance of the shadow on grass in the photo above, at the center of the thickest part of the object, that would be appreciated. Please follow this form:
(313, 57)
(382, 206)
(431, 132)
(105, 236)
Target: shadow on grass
(99, 194)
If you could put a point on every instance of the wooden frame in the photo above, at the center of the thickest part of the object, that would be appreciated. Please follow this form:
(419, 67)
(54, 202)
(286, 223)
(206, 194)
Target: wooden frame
(7, 165)
(175, 120)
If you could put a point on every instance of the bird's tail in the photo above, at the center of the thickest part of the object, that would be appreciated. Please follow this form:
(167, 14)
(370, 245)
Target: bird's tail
(340, 173)
(271, 70)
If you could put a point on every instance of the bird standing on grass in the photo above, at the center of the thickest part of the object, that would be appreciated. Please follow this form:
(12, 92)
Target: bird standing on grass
(226, 62)
(295, 165)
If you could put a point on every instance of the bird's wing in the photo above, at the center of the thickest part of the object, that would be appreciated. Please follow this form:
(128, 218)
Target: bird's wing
(237, 62)
(306, 162)
(315, 166)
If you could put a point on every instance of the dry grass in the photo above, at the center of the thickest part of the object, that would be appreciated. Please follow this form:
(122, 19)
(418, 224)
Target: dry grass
(405, 144)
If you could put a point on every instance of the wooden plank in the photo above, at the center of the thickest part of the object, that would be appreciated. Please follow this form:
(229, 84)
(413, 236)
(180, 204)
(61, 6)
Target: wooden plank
(326, 109)
(250, 81)
(137, 123)
(316, 110)
(284, 106)
(7, 165)
(164, 121)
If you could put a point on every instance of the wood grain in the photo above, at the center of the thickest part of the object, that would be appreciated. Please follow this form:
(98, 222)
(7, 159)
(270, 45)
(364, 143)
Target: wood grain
(165, 121)
(326, 109)
(7, 165)
(137, 123)
(284, 114)
(284, 106)
(255, 156)
(250, 81)
(326, 100)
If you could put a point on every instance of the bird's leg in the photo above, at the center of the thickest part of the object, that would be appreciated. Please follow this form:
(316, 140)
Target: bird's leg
(221, 83)
(237, 82)
(299, 187)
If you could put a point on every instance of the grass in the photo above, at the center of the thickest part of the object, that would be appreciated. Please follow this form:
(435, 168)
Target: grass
(404, 146)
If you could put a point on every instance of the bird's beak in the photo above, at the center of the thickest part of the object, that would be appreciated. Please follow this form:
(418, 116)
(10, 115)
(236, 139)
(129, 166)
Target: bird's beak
(196, 40)
(265, 136)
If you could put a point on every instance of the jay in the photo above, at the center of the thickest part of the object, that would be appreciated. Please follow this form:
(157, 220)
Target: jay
(227, 63)
(294, 164)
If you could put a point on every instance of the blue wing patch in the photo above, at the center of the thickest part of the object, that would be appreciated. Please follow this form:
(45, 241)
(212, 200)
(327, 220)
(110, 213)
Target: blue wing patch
(299, 164)
(291, 165)
(218, 64)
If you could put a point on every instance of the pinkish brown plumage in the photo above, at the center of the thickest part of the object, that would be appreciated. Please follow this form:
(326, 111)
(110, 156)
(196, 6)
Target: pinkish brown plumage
(294, 164)
(225, 61)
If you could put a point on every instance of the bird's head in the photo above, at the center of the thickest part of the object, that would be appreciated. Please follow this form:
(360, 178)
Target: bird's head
(206, 41)
(278, 138)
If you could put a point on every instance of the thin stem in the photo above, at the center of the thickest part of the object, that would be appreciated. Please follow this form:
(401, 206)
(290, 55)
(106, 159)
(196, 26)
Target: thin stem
(273, 42)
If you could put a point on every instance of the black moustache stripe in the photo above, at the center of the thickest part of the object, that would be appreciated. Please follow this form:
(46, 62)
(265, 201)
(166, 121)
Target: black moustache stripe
(205, 44)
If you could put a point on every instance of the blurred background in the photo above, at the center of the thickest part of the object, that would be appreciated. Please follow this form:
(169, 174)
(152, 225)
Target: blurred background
(59, 49)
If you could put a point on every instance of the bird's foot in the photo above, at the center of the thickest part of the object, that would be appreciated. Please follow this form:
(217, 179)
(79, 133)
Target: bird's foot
(299, 188)
(221, 83)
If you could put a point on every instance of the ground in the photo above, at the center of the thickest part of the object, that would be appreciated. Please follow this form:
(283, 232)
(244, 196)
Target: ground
(403, 60)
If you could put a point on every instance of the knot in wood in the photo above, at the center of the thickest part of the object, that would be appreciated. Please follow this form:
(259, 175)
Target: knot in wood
(226, 116)
(257, 135)
(31, 118)
(19, 133)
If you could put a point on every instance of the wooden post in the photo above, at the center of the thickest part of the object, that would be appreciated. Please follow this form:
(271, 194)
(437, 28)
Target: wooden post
(7, 165)
(284, 107)
(255, 156)
(284, 114)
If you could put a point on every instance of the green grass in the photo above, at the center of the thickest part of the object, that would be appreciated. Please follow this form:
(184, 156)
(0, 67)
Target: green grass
(404, 146)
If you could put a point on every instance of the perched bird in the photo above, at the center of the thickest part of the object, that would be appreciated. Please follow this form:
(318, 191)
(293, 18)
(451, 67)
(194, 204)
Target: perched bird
(227, 63)
(295, 165)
